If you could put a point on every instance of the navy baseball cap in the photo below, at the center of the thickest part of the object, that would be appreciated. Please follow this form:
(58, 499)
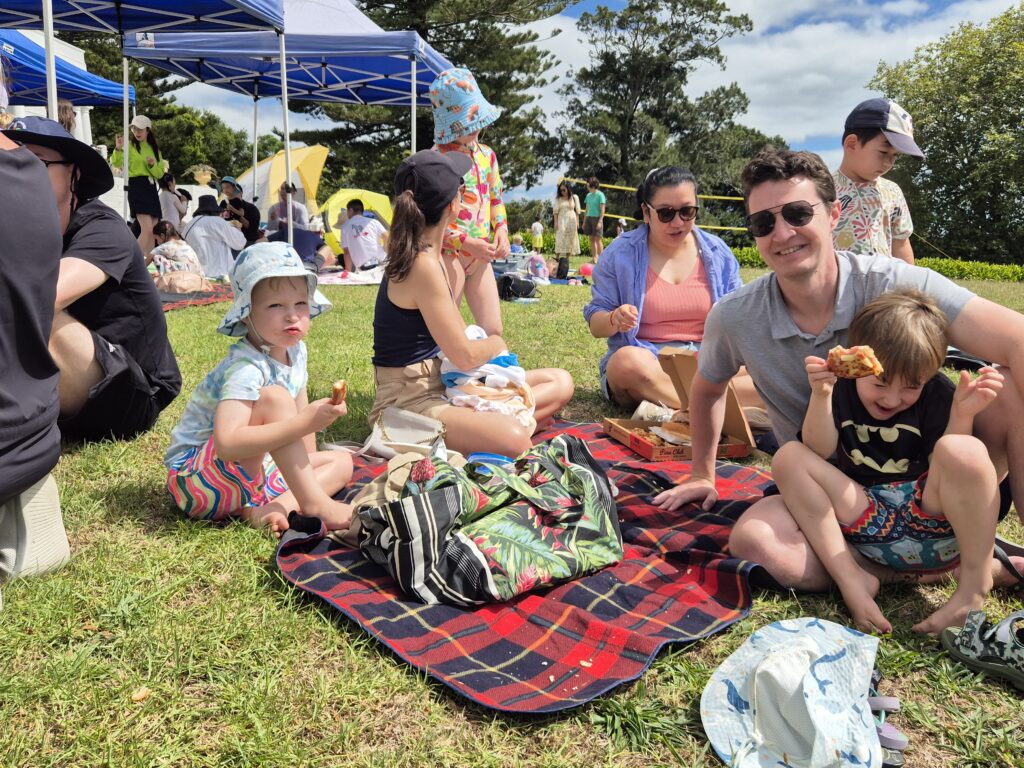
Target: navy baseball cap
(434, 177)
(889, 117)
(94, 175)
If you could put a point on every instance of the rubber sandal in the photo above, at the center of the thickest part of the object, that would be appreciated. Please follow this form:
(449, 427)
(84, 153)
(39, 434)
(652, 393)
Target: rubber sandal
(891, 738)
(1003, 550)
(892, 758)
(884, 704)
(997, 650)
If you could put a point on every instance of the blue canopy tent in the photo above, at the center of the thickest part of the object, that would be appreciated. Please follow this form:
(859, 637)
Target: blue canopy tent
(141, 16)
(25, 63)
(361, 65)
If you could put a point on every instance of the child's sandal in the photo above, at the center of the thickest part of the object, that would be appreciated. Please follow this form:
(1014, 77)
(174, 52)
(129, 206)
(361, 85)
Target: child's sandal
(997, 650)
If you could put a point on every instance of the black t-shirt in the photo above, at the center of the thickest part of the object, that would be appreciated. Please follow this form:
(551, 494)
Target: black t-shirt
(126, 309)
(873, 452)
(29, 265)
(252, 217)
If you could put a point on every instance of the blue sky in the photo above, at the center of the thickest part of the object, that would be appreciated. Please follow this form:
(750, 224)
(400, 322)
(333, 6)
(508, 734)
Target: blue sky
(804, 66)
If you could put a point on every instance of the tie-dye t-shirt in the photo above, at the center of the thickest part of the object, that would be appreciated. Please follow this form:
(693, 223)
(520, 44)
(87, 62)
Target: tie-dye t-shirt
(874, 213)
(241, 375)
(482, 208)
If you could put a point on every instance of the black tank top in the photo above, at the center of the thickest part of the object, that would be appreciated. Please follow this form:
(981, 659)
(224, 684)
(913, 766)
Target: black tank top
(400, 336)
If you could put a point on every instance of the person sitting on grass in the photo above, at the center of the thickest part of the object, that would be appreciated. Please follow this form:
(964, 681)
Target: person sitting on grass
(910, 488)
(416, 318)
(517, 244)
(246, 443)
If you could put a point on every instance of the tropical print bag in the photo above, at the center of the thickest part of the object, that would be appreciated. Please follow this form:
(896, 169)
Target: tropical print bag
(484, 533)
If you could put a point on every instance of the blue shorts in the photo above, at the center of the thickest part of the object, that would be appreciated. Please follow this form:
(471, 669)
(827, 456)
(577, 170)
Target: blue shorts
(894, 531)
(659, 345)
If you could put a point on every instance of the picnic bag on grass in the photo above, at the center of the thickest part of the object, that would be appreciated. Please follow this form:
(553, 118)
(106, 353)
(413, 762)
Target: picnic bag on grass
(512, 286)
(483, 533)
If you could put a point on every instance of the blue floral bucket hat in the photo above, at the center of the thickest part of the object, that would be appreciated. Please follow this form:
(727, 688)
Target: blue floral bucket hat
(795, 694)
(258, 262)
(459, 107)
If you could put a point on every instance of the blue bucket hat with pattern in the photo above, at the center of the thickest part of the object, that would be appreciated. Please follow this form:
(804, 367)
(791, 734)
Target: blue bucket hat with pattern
(459, 107)
(795, 694)
(258, 262)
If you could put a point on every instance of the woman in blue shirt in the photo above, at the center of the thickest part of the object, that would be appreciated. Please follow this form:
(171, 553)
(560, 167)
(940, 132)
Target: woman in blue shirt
(653, 288)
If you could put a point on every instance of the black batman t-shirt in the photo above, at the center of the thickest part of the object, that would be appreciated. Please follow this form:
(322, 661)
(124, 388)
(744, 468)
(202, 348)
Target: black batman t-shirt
(871, 451)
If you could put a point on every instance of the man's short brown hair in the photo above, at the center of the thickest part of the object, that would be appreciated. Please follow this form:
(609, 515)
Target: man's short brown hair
(907, 331)
(771, 164)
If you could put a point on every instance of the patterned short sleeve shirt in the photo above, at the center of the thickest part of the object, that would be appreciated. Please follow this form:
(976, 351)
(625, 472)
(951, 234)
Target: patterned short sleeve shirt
(872, 215)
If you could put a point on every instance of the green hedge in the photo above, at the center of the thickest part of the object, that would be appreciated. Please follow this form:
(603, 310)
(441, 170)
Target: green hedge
(749, 256)
(951, 268)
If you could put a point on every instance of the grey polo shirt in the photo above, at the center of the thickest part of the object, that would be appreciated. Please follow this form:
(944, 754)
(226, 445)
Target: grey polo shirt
(752, 326)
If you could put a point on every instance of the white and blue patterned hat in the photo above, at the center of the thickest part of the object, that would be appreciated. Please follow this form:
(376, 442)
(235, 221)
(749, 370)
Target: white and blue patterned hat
(459, 107)
(795, 694)
(258, 262)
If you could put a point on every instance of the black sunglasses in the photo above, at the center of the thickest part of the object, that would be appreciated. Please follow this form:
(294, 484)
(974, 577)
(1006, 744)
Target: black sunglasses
(48, 163)
(797, 214)
(665, 215)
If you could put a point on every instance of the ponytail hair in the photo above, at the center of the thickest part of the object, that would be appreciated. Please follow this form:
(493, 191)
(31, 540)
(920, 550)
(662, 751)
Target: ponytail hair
(665, 176)
(405, 240)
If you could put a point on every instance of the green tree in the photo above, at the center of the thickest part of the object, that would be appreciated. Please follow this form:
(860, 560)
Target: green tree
(628, 112)
(966, 95)
(368, 143)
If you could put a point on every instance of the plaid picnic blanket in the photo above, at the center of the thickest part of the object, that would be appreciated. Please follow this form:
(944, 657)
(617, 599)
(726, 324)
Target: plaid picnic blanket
(558, 648)
(220, 292)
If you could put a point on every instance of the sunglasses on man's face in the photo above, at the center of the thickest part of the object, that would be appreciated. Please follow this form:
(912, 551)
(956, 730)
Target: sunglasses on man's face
(665, 215)
(797, 214)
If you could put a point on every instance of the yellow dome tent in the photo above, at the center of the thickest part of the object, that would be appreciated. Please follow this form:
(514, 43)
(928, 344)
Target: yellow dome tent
(336, 204)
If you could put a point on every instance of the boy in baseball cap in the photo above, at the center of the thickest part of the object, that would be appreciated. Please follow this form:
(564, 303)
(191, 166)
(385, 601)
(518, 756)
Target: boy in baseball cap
(874, 217)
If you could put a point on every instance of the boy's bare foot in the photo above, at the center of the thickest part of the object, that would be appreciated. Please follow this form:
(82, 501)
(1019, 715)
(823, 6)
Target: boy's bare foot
(953, 613)
(335, 515)
(859, 595)
(270, 516)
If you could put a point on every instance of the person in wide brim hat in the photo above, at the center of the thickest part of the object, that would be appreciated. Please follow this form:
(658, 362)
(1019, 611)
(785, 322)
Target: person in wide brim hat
(207, 206)
(92, 176)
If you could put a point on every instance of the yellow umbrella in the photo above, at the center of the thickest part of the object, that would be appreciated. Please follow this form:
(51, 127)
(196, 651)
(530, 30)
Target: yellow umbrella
(307, 165)
(338, 202)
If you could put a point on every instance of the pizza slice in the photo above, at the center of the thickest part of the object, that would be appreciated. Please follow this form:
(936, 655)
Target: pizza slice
(339, 391)
(853, 363)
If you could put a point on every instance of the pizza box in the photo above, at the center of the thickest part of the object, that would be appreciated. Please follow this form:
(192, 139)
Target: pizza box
(681, 364)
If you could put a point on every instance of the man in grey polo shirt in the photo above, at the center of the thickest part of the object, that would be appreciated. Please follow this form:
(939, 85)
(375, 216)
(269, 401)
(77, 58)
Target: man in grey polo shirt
(804, 307)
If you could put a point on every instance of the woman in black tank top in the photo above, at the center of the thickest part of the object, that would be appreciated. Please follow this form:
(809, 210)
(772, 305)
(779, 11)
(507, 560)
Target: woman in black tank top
(416, 318)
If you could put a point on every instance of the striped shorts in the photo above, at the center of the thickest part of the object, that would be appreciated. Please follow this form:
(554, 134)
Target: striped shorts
(207, 488)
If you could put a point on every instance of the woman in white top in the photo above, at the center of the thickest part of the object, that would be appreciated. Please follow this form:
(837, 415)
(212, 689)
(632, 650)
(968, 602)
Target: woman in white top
(215, 240)
(173, 204)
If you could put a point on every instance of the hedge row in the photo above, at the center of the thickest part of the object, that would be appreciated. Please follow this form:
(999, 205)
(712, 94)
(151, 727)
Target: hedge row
(749, 256)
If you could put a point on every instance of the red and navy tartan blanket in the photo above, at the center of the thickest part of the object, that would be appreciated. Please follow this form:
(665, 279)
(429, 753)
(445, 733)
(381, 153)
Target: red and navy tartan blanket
(561, 647)
(220, 292)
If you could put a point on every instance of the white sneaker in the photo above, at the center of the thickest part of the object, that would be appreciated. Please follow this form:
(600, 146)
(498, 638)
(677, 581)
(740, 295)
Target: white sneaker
(648, 411)
(32, 537)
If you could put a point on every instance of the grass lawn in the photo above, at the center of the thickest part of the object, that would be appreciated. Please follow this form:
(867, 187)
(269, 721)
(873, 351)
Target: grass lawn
(172, 643)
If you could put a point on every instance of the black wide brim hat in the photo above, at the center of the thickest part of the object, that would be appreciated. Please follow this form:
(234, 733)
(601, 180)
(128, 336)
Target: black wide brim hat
(94, 175)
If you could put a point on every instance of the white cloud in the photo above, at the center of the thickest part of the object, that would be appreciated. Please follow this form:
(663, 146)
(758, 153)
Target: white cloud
(236, 110)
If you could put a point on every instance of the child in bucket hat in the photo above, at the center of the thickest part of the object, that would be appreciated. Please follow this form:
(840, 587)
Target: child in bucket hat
(245, 446)
(460, 113)
(795, 693)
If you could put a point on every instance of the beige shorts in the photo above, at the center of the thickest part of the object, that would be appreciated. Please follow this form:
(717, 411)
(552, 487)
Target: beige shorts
(417, 388)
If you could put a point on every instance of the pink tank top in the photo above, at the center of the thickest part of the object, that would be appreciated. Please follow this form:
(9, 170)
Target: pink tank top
(675, 312)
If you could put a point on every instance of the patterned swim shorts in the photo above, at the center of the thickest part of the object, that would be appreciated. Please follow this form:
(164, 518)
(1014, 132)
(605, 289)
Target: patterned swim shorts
(207, 488)
(894, 531)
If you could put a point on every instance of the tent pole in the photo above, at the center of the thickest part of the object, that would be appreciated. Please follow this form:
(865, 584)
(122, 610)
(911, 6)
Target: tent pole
(412, 109)
(51, 67)
(287, 138)
(124, 136)
(255, 152)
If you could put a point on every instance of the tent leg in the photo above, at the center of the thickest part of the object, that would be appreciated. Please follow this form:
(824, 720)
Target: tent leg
(51, 67)
(287, 137)
(412, 109)
(255, 151)
(124, 137)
